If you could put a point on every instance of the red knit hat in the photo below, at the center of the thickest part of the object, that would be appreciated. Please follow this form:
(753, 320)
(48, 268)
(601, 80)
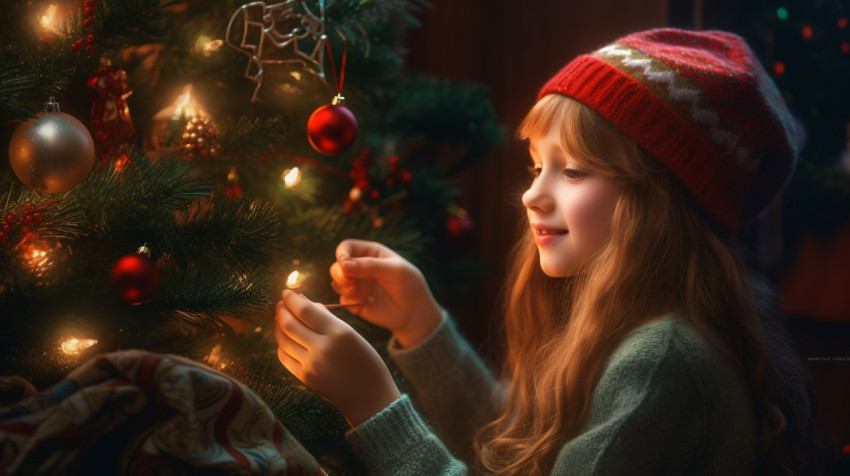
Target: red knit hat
(700, 103)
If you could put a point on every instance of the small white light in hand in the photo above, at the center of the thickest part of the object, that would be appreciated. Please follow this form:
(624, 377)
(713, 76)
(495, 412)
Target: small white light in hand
(295, 280)
(74, 346)
(291, 177)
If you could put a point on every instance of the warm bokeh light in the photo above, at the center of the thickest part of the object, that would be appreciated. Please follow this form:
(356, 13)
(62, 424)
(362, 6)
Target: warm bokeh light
(808, 33)
(48, 18)
(75, 346)
(295, 280)
(186, 106)
(291, 177)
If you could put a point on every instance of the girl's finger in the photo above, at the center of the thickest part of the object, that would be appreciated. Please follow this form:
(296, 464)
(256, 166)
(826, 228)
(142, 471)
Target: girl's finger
(296, 330)
(290, 345)
(340, 278)
(316, 318)
(291, 364)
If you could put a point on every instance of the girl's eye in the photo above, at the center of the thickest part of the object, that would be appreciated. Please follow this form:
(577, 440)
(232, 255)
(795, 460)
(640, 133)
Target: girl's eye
(574, 174)
(534, 170)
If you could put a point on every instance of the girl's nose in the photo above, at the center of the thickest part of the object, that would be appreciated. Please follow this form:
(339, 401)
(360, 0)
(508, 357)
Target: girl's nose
(537, 197)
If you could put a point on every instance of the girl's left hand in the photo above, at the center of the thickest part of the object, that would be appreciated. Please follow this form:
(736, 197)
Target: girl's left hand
(332, 359)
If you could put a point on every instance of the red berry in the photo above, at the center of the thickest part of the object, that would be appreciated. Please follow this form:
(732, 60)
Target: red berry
(88, 22)
(362, 185)
(11, 218)
(89, 11)
(394, 160)
(406, 176)
(91, 38)
(7, 228)
(376, 194)
(90, 48)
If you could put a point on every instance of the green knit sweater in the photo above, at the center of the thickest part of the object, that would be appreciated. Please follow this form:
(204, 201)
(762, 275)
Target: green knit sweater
(666, 403)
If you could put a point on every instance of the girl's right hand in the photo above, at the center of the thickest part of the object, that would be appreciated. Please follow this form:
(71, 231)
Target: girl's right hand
(394, 292)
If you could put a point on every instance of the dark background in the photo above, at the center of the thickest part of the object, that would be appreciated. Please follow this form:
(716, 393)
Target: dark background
(512, 48)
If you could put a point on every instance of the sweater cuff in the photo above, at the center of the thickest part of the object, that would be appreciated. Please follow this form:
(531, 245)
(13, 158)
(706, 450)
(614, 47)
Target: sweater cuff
(443, 348)
(396, 432)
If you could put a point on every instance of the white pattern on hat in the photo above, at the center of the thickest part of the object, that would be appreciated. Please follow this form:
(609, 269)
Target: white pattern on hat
(651, 69)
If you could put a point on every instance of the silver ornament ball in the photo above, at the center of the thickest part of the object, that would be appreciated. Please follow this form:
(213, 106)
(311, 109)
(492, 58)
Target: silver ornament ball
(52, 152)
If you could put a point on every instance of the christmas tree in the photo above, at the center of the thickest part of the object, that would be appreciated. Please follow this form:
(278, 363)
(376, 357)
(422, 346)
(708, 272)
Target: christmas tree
(197, 158)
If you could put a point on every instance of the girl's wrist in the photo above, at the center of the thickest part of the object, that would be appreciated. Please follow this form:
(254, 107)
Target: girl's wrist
(419, 328)
(372, 406)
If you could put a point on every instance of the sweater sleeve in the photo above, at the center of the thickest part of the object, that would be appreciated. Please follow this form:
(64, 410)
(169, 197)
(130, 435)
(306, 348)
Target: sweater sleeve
(396, 442)
(451, 385)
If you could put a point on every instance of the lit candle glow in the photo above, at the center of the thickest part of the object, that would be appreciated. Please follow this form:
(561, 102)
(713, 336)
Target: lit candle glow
(75, 346)
(291, 177)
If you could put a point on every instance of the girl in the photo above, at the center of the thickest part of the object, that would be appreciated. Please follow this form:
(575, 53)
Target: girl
(634, 339)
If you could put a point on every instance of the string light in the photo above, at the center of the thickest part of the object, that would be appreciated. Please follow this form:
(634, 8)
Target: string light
(295, 280)
(807, 32)
(842, 23)
(75, 346)
(782, 13)
(845, 47)
(291, 178)
(207, 45)
(779, 68)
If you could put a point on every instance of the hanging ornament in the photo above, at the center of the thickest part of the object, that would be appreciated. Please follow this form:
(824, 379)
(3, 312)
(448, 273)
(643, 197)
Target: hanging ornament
(332, 128)
(111, 125)
(165, 131)
(52, 152)
(200, 139)
(459, 226)
(134, 277)
(265, 29)
(233, 188)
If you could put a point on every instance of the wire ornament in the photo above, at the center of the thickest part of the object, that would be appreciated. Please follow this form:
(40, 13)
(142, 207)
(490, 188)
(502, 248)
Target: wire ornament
(264, 26)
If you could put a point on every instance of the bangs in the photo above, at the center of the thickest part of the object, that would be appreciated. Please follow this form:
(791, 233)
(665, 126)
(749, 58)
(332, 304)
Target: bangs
(584, 134)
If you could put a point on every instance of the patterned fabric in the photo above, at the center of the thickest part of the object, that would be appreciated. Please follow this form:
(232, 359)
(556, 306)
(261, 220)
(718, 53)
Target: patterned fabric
(700, 103)
(134, 412)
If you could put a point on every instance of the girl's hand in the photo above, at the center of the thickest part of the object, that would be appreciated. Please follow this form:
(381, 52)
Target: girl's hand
(394, 292)
(332, 359)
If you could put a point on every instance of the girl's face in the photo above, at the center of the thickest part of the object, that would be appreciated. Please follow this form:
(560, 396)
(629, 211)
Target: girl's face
(569, 207)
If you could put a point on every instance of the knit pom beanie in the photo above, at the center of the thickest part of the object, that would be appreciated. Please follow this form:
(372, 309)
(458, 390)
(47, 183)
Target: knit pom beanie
(701, 104)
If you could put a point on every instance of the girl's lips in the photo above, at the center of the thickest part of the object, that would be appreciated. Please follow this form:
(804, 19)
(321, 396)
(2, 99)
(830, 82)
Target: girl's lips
(546, 235)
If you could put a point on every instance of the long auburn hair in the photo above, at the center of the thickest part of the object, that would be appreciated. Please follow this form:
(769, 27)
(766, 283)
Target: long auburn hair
(660, 256)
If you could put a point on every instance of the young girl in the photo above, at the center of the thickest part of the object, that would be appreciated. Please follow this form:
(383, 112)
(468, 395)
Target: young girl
(634, 340)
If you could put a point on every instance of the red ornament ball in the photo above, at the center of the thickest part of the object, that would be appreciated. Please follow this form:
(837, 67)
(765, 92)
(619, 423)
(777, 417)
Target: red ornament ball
(331, 129)
(459, 227)
(134, 278)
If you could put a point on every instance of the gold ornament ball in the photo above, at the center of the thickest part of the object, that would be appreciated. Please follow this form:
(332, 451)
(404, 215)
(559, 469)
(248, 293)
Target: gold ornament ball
(52, 152)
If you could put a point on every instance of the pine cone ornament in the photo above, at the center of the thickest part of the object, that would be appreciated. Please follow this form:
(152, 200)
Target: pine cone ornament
(200, 139)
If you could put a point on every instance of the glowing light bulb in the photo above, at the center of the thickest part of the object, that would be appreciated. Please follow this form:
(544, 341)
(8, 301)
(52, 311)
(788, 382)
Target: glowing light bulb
(782, 13)
(75, 346)
(295, 280)
(291, 177)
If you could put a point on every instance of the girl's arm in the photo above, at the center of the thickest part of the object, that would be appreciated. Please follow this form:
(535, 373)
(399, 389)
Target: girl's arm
(452, 386)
